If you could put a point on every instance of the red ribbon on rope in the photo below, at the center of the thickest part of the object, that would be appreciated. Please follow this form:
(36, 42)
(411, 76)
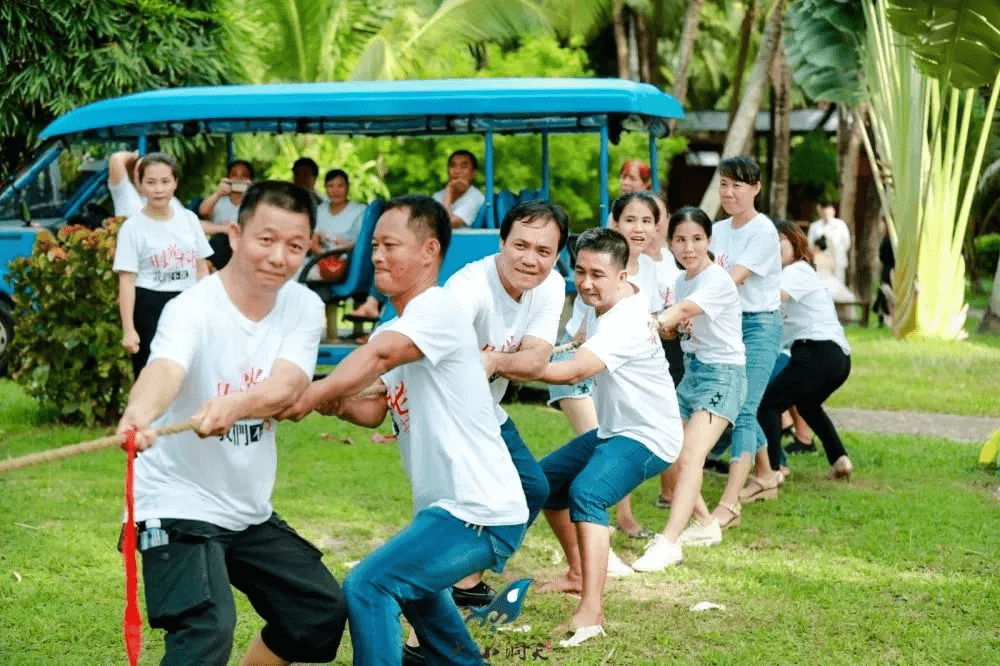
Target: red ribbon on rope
(132, 625)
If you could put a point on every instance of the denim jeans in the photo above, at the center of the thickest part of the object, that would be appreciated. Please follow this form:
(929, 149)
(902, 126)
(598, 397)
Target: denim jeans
(762, 339)
(533, 481)
(590, 474)
(413, 573)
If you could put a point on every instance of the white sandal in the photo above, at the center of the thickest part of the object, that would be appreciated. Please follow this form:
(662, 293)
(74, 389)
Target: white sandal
(583, 634)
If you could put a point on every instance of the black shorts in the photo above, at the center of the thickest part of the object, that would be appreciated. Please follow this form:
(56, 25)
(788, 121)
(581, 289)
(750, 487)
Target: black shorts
(187, 583)
(146, 313)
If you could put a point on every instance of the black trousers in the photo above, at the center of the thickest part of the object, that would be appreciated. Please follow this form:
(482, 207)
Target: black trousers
(189, 593)
(675, 358)
(817, 369)
(149, 305)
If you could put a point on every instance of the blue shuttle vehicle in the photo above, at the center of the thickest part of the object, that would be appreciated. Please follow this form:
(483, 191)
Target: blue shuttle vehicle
(36, 198)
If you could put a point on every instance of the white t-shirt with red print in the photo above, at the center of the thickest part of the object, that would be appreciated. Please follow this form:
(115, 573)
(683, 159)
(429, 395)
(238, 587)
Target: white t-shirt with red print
(716, 335)
(755, 247)
(163, 254)
(499, 320)
(444, 419)
(226, 481)
(634, 394)
(667, 271)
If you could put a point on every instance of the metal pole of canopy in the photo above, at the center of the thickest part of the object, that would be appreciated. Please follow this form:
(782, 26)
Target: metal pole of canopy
(229, 149)
(545, 165)
(653, 162)
(141, 144)
(488, 139)
(604, 175)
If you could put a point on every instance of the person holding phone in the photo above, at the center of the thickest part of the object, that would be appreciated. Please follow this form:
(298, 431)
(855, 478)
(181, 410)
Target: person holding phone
(220, 209)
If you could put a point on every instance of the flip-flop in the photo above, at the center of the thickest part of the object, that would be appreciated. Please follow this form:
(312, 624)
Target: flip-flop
(582, 635)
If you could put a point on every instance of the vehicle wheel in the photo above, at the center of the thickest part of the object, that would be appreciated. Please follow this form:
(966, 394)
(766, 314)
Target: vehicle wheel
(6, 335)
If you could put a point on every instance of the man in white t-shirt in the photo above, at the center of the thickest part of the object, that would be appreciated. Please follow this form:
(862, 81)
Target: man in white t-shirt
(230, 353)
(515, 300)
(837, 235)
(639, 426)
(469, 509)
(459, 197)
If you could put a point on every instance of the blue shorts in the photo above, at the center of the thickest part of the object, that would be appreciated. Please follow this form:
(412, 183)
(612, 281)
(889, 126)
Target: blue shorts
(716, 388)
(558, 392)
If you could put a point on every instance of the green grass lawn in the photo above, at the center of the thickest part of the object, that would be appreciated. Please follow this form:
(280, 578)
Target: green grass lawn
(899, 566)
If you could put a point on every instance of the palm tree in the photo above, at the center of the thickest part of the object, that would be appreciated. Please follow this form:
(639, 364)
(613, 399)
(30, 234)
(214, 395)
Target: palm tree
(914, 75)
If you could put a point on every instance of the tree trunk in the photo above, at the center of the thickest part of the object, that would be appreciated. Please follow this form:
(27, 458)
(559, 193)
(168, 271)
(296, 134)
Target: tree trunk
(868, 237)
(685, 49)
(781, 78)
(742, 128)
(746, 30)
(621, 39)
(644, 52)
(991, 320)
(633, 45)
(848, 163)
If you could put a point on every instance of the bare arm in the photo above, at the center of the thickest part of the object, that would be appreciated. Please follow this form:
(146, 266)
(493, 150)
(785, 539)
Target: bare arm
(207, 204)
(212, 228)
(126, 306)
(362, 368)
(677, 313)
(156, 387)
(202, 269)
(524, 364)
(740, 274)
(118, 166)
(785, 296)
(368, 411)
(278, 392)
(583, 365)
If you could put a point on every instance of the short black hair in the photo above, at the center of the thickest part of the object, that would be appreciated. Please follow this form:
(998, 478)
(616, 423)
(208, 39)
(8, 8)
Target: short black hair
(253, 173)
(741, 168)
(618, 207)
(607, 240)
(426, 216)
(536, 209)
(463, 151)
(309, 162)
(337, 173)
(158, 158)
(279, 194)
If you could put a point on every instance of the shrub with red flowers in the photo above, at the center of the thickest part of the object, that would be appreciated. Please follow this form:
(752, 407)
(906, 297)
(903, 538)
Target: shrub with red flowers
(67, 351)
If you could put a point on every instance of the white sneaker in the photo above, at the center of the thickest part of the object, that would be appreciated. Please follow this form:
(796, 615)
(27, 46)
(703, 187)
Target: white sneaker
(617, 568)
(696, 534)
(659, 555)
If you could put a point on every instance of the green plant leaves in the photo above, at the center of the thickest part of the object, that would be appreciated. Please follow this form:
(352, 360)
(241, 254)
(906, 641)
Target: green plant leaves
(821, 42)
(957, 41)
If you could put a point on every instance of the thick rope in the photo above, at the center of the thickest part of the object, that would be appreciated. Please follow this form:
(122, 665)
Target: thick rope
(84, 447)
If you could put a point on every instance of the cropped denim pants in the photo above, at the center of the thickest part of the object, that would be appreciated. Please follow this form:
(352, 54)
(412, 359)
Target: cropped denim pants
(590, 474)
(762, 339)
(413, 573)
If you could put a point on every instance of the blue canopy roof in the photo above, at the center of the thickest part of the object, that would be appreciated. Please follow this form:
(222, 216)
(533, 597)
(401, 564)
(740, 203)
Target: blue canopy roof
(376, 107)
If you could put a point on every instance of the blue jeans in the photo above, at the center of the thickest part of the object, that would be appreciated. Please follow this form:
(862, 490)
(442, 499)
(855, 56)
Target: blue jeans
(762, 339)
(533, 481)
(413, 573)
(590, 474)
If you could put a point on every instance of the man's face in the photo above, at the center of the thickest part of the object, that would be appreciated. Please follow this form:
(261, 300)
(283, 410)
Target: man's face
(827, 212)
(270, 247)
(303, 176)
(399, 254)
(460, 169)
(529, 253)
(597, 279)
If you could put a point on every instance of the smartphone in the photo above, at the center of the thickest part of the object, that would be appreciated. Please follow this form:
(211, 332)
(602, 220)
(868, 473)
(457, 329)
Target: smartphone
(238, 185)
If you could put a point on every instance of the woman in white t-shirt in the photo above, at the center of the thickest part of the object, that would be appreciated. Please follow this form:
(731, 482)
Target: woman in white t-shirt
(707, 314)
(821, 358)
(161, 250)
(746, 245)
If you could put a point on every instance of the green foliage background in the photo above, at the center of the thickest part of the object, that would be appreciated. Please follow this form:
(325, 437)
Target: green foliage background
(67, 351)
